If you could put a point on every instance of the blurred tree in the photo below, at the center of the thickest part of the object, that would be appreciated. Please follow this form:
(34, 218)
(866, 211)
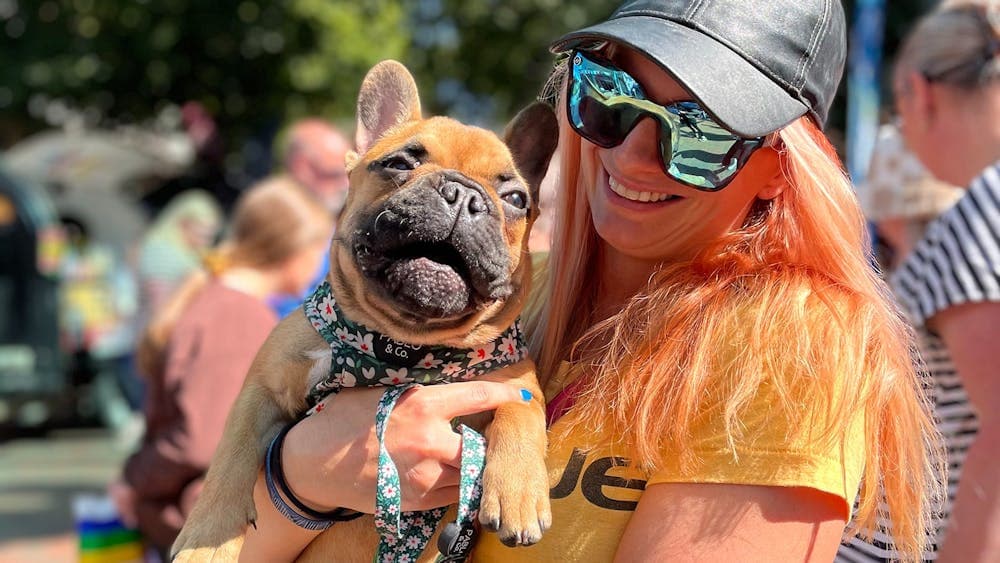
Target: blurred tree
(490, 57)
(255, 64)
(250, 63)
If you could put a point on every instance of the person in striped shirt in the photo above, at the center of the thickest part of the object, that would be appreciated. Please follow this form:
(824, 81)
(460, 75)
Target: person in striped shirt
(947, 83)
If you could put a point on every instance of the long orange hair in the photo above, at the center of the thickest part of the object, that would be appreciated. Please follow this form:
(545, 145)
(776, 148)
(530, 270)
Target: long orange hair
(789, 300)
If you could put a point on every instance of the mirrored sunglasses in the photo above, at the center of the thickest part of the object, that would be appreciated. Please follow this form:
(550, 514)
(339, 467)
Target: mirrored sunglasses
(605, 103)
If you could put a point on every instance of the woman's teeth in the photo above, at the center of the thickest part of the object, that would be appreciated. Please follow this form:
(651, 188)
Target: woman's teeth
(637, 196)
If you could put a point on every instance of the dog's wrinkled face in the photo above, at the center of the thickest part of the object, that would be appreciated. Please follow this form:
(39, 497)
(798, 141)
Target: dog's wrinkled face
(444, 227)
(432, 244)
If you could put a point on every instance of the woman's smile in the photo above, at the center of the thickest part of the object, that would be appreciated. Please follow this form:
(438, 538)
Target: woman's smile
(636, 196)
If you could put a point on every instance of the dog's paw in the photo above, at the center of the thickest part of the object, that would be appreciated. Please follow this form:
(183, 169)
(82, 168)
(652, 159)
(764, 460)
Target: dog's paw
(227, 552)
(212, 536)
(515, 502)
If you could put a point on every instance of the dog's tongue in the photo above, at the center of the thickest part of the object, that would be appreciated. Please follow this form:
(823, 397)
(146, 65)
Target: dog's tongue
(430, 288)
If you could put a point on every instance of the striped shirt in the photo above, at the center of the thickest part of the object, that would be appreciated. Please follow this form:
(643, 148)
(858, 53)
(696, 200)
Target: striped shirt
(957, 261)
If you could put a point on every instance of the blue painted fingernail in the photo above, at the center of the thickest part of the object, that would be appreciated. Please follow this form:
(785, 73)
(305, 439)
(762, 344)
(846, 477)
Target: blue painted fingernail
(526, 395)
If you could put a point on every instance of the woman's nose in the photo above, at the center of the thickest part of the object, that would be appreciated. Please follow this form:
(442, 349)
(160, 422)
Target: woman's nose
(641, 148)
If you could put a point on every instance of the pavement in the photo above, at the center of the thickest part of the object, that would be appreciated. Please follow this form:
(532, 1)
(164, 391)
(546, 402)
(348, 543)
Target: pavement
(39, 477)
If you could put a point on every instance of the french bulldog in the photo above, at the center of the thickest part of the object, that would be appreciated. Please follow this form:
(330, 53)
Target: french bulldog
(431, 250)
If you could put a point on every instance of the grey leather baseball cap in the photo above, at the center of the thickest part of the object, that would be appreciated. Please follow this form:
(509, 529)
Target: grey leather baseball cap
(755, 65)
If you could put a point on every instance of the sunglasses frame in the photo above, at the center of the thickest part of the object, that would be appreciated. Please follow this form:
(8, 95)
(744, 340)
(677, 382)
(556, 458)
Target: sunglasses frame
(664, 115)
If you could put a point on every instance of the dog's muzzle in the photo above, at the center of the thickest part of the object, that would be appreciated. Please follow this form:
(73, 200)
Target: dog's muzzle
(436, 248)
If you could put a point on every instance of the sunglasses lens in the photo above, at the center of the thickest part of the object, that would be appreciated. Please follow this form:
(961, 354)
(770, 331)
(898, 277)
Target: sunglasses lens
(596, 122)
(605, 103)
(702, 153)
(592, 111)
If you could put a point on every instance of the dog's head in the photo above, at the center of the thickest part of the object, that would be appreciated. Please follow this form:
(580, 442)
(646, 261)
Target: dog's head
(432, 243)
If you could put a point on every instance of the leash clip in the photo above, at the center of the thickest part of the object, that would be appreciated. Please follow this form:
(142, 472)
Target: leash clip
(455, 542)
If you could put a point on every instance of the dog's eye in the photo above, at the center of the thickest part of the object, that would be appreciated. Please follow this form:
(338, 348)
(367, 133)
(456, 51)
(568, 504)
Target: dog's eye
(516, 198)
(400, 163)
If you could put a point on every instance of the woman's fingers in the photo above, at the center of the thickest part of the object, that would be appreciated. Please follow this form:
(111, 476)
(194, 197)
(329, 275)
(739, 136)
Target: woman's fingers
(433, 499)
(470, 397)
(433, 408)
(429, 485)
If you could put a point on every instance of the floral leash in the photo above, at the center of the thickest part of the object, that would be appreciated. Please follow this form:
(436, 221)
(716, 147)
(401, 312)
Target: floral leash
(404, 535)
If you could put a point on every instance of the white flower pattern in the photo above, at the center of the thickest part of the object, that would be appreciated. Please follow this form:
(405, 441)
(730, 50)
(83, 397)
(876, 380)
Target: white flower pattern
(326, 309)
(482, 353)
(396, 377)
(345, 379)
(429, 362)
(363, 342)
(343, 334)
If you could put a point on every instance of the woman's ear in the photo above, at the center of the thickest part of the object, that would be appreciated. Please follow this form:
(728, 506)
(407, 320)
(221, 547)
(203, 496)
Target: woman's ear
(776, 182)
(917, 103)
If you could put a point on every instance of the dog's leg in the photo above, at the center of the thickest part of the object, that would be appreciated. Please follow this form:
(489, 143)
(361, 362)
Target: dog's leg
(515, 482)
(214, 529)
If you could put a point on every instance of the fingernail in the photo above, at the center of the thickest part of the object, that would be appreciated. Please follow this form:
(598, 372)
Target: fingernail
(526, 395)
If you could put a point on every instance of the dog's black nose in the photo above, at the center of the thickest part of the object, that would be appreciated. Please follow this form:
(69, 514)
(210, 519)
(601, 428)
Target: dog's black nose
(459, 194)
(449, 191)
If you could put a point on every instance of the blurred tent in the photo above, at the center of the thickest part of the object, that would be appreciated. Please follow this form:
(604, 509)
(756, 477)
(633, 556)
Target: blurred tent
(98, 177)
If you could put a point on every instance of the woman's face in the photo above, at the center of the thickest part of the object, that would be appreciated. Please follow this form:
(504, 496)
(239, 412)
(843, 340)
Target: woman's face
(197, 233)
(683, 224)
(932, 124)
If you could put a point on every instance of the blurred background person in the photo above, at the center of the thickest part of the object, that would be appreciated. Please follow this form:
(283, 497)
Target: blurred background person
(900, 197)
(314, 157)
(173, 246)
(205, 339)
(947, 85)
(86, 293)
(97, 304)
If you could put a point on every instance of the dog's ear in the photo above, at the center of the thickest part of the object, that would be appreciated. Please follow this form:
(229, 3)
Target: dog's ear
(532, 137)
(388, 98)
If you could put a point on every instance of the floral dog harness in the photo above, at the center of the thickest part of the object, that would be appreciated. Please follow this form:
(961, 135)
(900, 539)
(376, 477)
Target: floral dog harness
(365, 358)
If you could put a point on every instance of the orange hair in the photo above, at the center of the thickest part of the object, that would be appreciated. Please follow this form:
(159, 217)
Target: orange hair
(790, 300)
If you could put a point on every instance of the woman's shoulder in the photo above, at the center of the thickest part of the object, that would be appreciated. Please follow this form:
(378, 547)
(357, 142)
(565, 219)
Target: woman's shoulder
(978, 208)
(988, 179)
(218, 305)
(958, 259)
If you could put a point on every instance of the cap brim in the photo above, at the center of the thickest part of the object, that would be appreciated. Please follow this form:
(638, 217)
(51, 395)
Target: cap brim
(730, 88)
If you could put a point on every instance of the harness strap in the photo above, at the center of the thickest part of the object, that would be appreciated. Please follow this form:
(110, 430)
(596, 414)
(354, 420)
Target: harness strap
(404, 535)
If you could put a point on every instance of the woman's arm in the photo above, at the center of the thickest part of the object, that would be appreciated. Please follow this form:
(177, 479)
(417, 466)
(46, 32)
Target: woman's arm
(970, 333)
(721, 522)
(331, 458)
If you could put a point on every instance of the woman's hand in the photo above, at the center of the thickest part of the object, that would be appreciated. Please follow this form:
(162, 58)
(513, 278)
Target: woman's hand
(331, 458)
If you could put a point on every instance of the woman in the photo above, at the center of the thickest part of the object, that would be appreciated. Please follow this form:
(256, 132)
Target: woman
(213, 327)
(948, 96)
(724, 370)
(173, 247)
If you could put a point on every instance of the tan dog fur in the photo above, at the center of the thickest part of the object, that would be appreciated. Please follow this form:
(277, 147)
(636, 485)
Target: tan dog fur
(515, 481)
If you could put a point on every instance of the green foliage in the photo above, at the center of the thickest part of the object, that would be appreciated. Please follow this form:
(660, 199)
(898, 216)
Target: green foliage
(250, 62)
(256, 64)
(497, 50)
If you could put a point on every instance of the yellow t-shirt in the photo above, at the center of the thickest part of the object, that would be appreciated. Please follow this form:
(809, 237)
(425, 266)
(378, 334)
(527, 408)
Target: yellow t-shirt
(594, 493)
